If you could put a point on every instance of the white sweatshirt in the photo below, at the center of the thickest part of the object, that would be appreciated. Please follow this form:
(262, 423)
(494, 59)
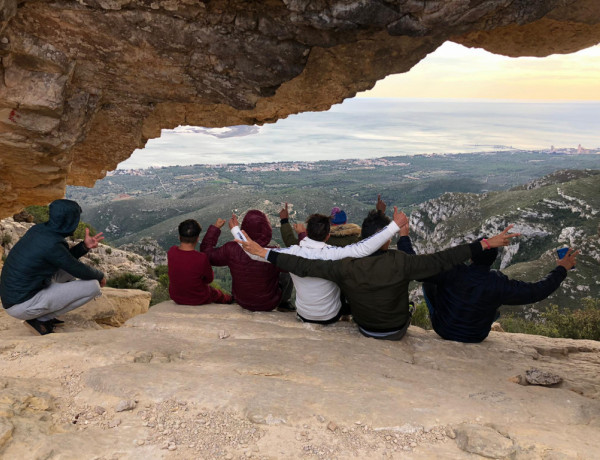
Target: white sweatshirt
(318, 299)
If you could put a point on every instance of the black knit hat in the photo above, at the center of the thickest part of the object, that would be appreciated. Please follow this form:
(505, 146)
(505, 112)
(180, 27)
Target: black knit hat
(486, 257)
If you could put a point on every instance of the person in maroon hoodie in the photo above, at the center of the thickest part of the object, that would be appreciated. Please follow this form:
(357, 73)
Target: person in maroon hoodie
(190, 272)
(256, 286)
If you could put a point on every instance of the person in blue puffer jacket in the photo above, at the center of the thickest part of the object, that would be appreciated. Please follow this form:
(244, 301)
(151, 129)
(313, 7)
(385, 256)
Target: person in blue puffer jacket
(463, 302)
(38, 278)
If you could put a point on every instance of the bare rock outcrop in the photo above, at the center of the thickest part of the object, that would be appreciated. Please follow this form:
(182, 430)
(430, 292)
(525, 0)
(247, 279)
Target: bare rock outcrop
(112, 309)
(276, 388)
(83, 84)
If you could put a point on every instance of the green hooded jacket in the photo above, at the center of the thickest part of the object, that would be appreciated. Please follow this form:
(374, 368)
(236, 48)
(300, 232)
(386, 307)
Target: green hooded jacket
(41, 252)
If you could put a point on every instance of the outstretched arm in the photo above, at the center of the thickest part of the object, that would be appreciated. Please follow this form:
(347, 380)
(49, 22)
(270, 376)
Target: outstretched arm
(513, 292)
(63, 259)
(361, 249)
(425, 266)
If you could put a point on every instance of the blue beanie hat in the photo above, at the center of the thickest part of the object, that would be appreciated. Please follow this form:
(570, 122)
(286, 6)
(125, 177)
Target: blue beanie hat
(338, 217)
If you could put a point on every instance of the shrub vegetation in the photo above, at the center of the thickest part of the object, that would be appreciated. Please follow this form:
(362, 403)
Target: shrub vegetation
(572, 324)
(128, 281)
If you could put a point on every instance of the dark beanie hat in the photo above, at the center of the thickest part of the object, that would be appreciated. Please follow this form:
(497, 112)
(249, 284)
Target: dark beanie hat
(486, 258)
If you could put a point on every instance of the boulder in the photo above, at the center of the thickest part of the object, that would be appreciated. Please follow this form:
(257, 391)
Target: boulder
(484, 441)
(113, 308)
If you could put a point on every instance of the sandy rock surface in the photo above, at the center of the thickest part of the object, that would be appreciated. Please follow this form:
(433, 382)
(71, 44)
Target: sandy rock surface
(171, 385)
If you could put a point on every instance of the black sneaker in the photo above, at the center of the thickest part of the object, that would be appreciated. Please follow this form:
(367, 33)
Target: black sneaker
(40, 327)
(286, 307)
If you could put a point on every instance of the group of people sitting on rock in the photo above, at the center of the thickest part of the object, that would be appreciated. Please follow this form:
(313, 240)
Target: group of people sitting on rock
(336, 268)
(342, 269)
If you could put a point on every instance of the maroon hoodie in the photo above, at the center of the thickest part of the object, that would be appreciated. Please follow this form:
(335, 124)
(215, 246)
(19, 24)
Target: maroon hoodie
(255, 285)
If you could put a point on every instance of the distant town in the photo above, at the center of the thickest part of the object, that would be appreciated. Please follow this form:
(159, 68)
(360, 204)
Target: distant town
(348, 164)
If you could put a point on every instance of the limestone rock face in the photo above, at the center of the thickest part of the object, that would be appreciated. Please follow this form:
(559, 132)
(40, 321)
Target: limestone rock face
(272, 387)
(83, 84)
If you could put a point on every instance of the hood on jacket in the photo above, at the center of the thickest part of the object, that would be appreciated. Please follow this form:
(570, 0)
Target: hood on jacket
(64, 216)
(257, 226)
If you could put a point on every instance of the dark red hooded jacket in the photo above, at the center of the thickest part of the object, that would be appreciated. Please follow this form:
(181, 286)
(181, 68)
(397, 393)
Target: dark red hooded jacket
(255, 285)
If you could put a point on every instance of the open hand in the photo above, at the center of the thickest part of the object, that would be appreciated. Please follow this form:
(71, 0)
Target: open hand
(233, 222)
(502, 239)
(380, 206)
(251, 246)
(220, 222)
(284, 213)
(569, 260)
(91, 242)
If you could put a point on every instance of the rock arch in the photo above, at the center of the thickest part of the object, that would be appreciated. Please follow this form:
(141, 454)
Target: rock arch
(83, 84)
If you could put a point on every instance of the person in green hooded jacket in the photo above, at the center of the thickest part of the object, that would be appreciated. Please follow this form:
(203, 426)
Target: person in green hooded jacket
(38, 278)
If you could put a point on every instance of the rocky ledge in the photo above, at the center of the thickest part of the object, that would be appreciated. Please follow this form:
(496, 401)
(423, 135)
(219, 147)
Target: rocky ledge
(218, 382)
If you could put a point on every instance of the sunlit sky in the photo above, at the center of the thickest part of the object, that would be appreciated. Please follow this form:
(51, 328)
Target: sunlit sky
(455, 71)
(473, 78)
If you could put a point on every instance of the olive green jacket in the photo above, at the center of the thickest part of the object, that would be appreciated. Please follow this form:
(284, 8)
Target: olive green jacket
(377, 286)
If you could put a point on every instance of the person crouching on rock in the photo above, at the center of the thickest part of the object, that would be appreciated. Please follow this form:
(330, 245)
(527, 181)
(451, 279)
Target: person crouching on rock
(255, 286)
(38, 279)
(190, 273)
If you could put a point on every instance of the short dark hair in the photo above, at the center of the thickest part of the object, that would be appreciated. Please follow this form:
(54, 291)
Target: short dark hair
(189, 231)
(317, 227)
(375, 221)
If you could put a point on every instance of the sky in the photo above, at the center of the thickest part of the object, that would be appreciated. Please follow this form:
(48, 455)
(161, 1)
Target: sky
(409, 124)
(456, 71)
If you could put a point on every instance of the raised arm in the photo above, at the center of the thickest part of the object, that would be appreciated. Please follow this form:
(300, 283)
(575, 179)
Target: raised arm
(326, 269)
(404, 243)
(216, 256)
(513, 292)
(361, 249)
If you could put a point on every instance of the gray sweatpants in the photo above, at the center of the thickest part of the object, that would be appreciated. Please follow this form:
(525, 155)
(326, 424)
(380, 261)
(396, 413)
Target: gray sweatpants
(62, 296)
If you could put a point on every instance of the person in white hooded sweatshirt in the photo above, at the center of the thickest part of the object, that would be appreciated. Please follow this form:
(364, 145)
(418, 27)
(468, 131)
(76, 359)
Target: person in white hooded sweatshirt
(319, 300)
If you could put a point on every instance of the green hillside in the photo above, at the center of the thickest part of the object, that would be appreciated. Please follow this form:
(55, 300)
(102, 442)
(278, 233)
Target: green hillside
(549, 216)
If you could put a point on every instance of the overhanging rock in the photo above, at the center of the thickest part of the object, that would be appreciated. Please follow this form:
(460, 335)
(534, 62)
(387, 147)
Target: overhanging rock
(83, 84)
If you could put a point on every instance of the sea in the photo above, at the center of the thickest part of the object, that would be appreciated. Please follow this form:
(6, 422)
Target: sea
(377, 127)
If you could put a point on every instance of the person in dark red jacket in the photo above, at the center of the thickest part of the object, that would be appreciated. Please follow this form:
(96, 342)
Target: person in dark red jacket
(190, 272)
(256, 286)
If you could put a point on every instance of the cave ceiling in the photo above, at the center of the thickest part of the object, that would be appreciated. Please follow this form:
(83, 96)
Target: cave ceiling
(85, 83)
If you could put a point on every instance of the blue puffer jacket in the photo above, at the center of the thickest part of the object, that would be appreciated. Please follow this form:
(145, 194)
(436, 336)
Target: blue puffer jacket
(41, 252)
(466, 298)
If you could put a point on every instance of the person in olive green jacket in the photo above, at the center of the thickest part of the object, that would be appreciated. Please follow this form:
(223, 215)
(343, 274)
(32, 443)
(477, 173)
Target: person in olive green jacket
(377, 286)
